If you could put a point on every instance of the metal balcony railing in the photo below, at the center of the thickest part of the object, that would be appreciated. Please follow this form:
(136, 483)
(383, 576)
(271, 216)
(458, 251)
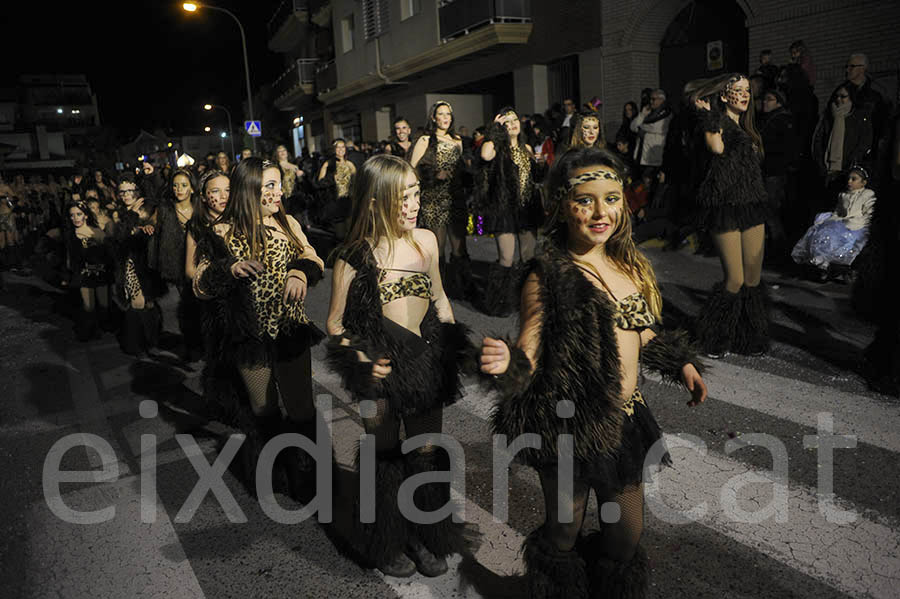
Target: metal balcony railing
(284, 10)
(459, 17)
(301, 72)
(326, 77)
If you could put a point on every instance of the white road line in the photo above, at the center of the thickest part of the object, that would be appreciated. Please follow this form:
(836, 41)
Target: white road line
(872, 421)
(861, 558)
(127, 556)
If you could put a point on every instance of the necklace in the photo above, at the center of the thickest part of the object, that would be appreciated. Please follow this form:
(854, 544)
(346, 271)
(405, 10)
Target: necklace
(184, 214)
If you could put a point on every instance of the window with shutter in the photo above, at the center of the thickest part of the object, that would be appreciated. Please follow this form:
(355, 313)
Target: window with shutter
(376, 18)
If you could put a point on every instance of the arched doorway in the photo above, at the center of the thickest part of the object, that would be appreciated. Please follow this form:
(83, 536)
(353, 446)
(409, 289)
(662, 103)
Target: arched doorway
(707, 38)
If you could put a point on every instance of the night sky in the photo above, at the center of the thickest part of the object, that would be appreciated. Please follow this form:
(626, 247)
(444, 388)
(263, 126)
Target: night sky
(151, 64)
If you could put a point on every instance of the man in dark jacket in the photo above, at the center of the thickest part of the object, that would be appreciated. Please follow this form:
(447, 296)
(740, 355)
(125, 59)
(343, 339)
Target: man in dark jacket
(354, 155)
(780, 142)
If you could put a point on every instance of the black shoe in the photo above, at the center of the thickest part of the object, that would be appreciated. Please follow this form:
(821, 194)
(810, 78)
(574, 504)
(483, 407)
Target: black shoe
(399, 567)
(427, 563)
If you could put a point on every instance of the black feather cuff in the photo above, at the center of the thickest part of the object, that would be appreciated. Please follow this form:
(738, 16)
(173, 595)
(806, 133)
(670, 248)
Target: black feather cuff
(216, 279)
(312, 270)
(709, 121)
(355, 374)
(668, 352)
(517, 376)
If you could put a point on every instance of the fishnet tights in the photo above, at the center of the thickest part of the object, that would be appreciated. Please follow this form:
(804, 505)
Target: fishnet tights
(291, 378)
(620, 538)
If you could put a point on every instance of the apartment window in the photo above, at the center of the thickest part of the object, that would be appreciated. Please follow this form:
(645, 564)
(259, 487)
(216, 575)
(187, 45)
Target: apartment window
(376, 18)
(347, 31)
(409, 8)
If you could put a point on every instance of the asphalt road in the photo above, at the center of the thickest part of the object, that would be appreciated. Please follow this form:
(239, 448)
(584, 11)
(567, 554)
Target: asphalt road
(750, 532)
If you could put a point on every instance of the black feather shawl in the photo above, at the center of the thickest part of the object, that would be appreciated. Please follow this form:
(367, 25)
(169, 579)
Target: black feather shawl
(578, 361)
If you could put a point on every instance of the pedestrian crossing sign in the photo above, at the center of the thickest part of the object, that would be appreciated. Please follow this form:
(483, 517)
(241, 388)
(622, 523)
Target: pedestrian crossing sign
(254, 128)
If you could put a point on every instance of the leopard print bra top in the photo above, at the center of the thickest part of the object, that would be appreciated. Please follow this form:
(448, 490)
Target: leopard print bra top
(267, 289)
(415, 284)
(633, 313)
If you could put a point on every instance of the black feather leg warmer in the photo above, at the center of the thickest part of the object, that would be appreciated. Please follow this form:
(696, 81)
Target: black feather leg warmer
(610, 578)
(668, 352)
(716, 326)
(553, 574)
(380, 541)
(445, 537)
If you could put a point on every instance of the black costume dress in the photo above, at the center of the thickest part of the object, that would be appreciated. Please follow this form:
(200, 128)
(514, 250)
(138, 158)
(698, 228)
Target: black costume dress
(90, 261)
(424, 376)
(167, 256)
(732, 197)
(135, 278)
(578, 364)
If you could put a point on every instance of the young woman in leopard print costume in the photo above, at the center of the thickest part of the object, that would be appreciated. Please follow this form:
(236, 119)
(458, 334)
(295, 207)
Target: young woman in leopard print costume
(256, 271)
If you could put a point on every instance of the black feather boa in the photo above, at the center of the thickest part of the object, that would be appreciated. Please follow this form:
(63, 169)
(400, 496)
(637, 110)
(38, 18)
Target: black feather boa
(424, 370)
(578, 361)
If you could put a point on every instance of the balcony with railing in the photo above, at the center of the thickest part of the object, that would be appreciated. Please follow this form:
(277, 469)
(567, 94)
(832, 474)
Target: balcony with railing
(297, 81)
(320, 12)
(461, 17)
(326, 77)
(286, 25)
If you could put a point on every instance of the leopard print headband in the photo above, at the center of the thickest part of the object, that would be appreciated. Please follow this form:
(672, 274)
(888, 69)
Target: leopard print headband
(600, 173)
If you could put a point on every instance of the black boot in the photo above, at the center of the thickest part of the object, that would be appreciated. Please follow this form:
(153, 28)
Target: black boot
(85, 325)
(131, 335)
(716, 326)
(754, 322)
(104, 319)
(151, 320)
(258, 430)
(611, 579)
(458, 282)
(440, 539)
(553, 574)
(299, 466)
(381, 544)
(497, 297)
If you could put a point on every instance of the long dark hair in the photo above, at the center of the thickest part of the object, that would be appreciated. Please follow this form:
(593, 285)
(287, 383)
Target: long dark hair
(713, 89)
(89, 216)
(192, 181)
(431, 125)
(243, 209)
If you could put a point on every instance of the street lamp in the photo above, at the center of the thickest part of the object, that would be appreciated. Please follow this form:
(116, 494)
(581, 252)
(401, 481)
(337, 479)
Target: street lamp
(193, 7)
(207, 128)
(230, 128)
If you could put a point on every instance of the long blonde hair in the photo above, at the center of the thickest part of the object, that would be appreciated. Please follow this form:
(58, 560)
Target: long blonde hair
(620, 247)
(377, 200)
(243, 210)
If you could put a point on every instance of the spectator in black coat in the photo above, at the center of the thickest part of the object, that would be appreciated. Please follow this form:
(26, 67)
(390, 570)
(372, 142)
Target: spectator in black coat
(780, 142)
(843, 137)
(868, 100)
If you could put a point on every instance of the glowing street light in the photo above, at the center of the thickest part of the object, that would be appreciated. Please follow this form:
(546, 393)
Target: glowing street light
(230, 128)
(207, 129)
(223, 135)
(193, 7)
